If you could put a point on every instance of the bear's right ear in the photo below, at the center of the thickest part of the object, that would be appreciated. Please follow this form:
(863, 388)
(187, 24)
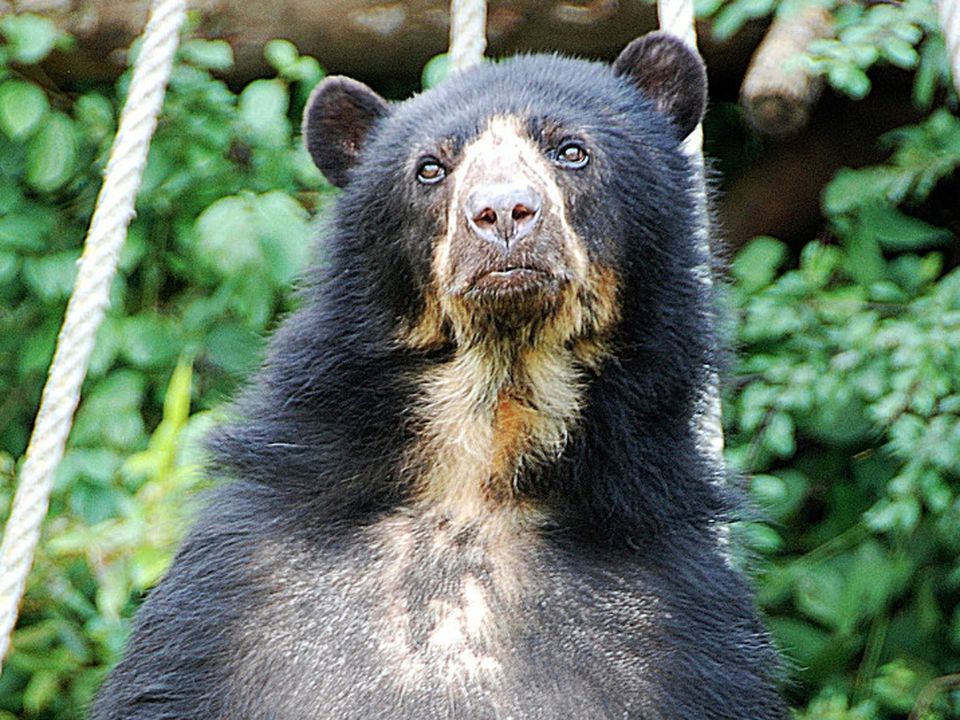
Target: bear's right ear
(336, 121)
(670, 74)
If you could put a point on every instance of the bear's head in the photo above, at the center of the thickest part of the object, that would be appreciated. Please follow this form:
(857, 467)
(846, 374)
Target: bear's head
(520, 201)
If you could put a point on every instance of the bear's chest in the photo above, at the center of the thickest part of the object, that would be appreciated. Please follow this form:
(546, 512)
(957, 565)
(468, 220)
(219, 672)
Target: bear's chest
(439, 619)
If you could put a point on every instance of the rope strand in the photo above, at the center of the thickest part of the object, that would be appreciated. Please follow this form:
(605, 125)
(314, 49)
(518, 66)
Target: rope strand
(468, 33)
(87, 305)
(677, 18)
(949, 11)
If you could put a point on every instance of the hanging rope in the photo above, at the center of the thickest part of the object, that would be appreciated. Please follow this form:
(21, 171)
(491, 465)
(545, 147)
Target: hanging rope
(88, 302)
(676, 17)
(468, 33)
(949, 11)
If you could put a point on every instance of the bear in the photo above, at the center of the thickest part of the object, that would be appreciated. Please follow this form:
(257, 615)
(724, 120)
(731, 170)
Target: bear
(468, 481)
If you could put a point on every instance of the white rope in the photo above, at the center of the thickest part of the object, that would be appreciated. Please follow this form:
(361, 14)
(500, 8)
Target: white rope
(949, 11)
(88, 302)
(468, 33)
(677, 18)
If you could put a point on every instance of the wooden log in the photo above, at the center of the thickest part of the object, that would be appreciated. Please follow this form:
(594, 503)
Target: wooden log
(379, 42)
(778, 98)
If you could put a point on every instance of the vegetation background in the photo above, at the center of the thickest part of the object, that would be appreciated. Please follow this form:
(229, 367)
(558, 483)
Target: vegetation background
(844, 407)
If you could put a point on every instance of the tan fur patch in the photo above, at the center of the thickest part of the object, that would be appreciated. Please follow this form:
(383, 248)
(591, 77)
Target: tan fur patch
(464, 627)
(427, 331)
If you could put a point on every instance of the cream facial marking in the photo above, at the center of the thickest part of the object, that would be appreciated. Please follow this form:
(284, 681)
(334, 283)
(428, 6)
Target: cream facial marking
(503, 151)
(506, 401)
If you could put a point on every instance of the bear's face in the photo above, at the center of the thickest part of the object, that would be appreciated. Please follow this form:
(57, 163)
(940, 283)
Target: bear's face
(508, 202)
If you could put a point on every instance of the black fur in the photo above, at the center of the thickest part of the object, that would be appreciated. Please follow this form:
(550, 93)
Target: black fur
(347, 109)
(674, 78)
(629, 607)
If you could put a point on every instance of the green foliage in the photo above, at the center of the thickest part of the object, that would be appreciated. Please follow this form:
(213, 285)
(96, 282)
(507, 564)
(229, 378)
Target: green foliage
(903, 34)
(435, 71)
(847, 408)
(28, 39)
(847, 415)
(222, 230)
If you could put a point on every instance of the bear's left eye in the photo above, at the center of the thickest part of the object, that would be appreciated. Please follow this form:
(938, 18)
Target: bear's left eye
(572, 155)
(430, 171)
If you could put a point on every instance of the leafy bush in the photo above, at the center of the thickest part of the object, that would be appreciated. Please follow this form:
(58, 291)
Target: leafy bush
(845, 408)
(846, 412)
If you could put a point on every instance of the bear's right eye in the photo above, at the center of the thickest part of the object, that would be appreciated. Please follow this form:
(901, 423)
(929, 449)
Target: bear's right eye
(430, 171)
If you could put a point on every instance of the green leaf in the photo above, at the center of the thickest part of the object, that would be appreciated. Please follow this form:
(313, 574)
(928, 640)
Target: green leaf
(208, 54)
(799, 640)
(435, 71)
(37, 349)
(52, 154)
(818, 262)
(234, 348)
(819, 593)
(113, 591)
(227, 236)
(900, 53)
(110, 413)
(768, 489)
(27, 230)
(9, 266)
(94, 503)
(756, 265)
(897, 686)
(305, 70)
(864, 259)
(927, 77)
(96, 465)
(43, 687)
(95, 116)
(900, 514)
(839, 420)
(51, 277)
(849, 79)
(852, 189)
(148, 341)
(23, 106)
(778, 437)
(283, 226)
(734, 15)
(176, 402)
(706, 8)
(781, 495)
(147, 566)
(898, 232)
(281, 54)
(30, 38)
(761, 538)
(263, 110)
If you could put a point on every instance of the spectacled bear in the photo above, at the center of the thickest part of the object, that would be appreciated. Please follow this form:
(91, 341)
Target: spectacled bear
(467, 482)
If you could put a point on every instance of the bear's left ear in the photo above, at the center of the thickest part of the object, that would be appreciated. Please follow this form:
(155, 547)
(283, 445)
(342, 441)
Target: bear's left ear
(670, 74)
(337, 118)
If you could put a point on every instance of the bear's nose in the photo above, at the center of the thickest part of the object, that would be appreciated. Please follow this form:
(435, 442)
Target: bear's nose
(503, 213)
